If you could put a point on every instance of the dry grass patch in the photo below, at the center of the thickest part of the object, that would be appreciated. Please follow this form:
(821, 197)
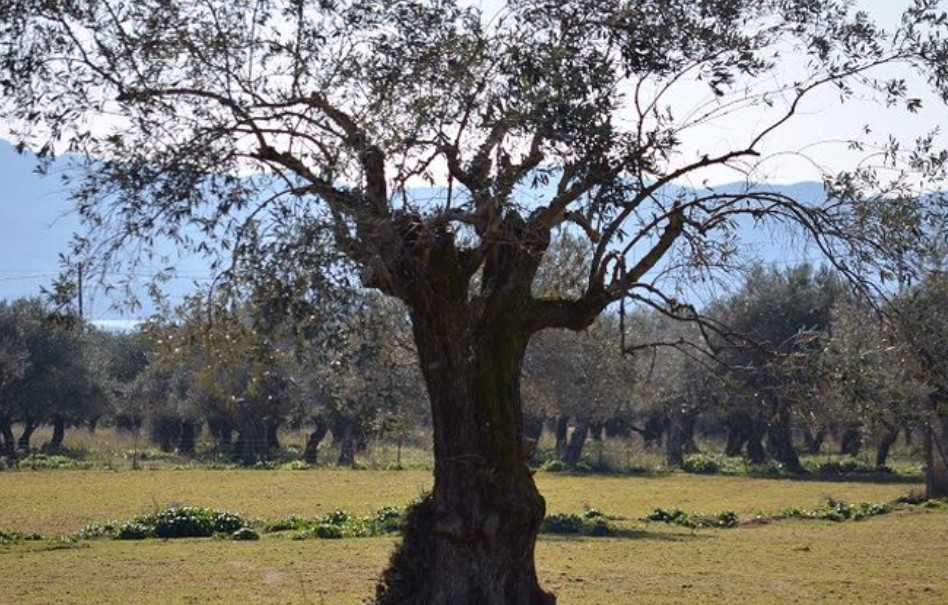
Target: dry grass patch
(896, 558)
(634, 496)
(64, 501)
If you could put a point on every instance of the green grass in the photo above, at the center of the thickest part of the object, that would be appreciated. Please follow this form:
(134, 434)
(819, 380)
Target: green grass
(893, 558)
(64, 501)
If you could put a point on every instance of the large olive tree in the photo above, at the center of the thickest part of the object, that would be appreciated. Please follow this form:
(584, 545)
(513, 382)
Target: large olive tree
(251, 125)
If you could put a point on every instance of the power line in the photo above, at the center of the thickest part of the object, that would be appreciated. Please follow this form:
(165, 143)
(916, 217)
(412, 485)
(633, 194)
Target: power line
(28, 277)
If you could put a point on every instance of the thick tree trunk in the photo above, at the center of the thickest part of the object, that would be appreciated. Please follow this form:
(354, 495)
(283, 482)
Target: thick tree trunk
(851, 441)
(311, 451)
(273, 435)
(251, 444)
(735, 442)
(595, 431)
(674, 444)
(688, 444)
(755, 448)
(936, 457)
(224, 433)
(188, 438)
(887, 437)
(473, 542)
(29, 427)
(562, 431)
(532, 432)
(813, 442)
(780, 440)
(738, 432)
(343, 433)
(742, 430)
(574, 449)
(680, 439)
(7, 441)
(533, 428)
(59, 433)
(655, 427)
(165, 432)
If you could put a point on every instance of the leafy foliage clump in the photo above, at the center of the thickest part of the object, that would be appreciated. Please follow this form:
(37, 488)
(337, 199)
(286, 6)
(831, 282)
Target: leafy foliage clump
(592, 523)
(676, 516)
(390, 519)
(9, 536)
(174, 522)
(191, 522)
(44, 461)
(919, 499)
(339, 523)
(133, 530)
(562, 523)
(700, 464)
(849, 467)
(837, 510)
(245, 533)
(291, 523)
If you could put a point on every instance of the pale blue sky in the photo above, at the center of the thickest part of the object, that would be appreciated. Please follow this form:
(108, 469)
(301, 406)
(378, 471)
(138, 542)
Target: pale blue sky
(822, 119)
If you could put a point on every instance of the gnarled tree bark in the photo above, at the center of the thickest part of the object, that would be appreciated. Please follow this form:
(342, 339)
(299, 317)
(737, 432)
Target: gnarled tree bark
(936, 456)
(485, 510)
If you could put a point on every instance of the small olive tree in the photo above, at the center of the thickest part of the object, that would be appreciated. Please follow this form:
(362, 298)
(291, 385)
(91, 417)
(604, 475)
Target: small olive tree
(922, 323)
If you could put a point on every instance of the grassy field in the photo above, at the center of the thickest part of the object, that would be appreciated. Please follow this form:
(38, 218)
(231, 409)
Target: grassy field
(899, 557)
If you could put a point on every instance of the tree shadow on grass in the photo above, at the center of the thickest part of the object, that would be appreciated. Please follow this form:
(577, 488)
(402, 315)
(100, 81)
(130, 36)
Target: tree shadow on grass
(879, 478)
(631, 534)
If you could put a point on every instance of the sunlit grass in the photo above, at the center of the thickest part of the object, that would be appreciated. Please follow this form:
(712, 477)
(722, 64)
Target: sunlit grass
(894, 558)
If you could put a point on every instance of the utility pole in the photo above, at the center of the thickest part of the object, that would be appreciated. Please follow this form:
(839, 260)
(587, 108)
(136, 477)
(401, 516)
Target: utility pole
(79, 287)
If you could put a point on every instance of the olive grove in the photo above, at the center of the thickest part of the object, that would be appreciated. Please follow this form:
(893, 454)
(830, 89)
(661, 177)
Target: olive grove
(271, 131)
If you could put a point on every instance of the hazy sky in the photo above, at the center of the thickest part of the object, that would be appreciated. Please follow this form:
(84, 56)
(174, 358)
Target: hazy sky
(822, 119)
(817, 136)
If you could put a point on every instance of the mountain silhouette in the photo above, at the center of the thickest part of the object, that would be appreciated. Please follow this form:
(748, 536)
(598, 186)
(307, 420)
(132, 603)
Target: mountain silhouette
(37, 222)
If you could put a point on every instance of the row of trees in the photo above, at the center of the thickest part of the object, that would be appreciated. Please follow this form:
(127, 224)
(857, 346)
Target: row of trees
(230, 378)
(789, 358)
(773, 369)
(44, 375)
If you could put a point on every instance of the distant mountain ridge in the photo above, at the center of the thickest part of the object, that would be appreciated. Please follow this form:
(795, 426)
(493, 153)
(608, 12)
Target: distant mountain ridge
(37, 222)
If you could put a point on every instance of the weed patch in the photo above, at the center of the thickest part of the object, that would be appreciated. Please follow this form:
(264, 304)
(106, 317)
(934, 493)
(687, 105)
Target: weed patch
(676, 516)
(8, 536)
(849, 467)
(700, 464)
(339, 523)
(175, 522)
(839, 511)
(591, 523)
